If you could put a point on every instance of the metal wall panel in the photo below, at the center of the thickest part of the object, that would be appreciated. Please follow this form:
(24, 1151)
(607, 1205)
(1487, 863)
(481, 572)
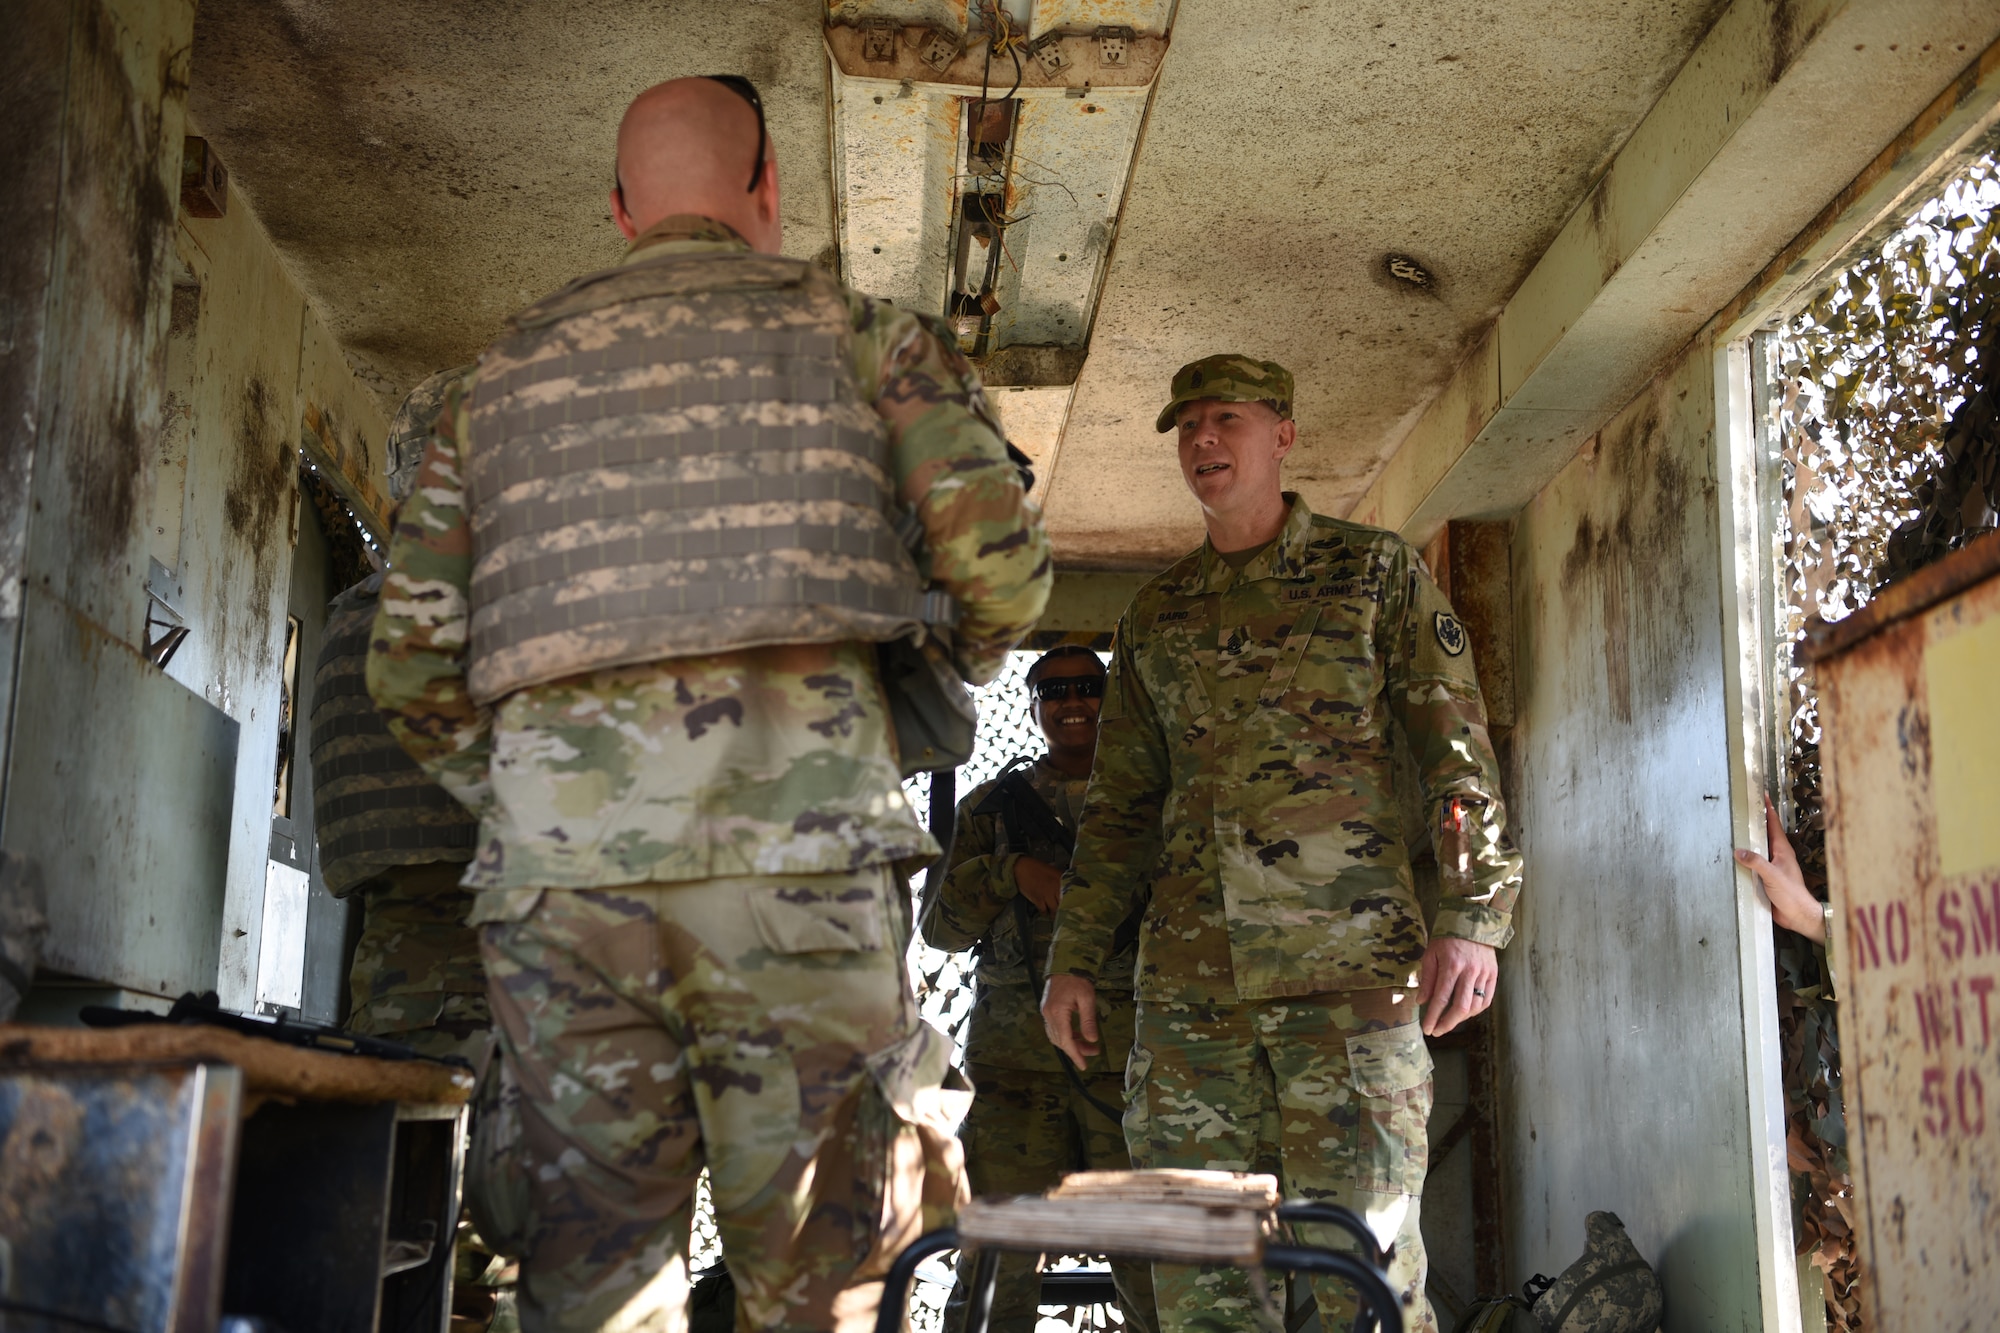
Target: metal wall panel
(121, 783)
(1622, 1002)
(1912, 756)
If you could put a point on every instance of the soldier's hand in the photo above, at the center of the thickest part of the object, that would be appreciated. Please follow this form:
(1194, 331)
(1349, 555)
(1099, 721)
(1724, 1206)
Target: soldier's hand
(1792, 903)
(1457, 982)
(1069, 1013)
(1040, 883)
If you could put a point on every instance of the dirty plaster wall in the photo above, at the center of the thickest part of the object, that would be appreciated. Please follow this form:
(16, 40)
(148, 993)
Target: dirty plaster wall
(259, 363)
(1623, 1040)
(156, 372)
(107, 764)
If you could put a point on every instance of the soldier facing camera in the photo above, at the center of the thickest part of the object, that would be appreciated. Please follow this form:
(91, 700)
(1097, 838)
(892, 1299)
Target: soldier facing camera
(1035, 1117)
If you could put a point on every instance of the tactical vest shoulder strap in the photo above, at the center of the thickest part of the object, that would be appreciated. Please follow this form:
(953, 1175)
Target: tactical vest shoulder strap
(667, 275)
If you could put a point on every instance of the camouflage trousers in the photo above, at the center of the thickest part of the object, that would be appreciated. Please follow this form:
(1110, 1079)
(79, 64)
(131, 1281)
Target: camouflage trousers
(760, 1026)
(416, 976)
(1330, 1092)
(1028, 1129)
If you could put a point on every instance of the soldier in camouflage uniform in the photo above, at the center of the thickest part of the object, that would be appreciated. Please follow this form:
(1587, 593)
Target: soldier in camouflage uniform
(387, 832)
(632, 620)
(1032, 1119)
(1244, 779)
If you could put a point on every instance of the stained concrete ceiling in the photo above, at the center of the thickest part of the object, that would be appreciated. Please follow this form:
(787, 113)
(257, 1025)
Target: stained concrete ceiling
(427, 169)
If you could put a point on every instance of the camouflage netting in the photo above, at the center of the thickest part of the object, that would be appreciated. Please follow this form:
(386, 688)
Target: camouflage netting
(1885, 408)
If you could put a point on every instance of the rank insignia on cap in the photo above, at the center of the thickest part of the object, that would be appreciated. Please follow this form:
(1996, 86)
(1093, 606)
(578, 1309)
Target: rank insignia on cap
(1451, 634)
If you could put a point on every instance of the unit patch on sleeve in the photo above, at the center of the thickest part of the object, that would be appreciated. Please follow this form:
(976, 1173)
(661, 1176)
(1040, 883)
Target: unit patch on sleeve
(1451, 634)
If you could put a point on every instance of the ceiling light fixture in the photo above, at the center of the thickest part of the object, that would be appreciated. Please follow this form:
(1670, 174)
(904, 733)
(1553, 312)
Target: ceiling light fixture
(1408, 271)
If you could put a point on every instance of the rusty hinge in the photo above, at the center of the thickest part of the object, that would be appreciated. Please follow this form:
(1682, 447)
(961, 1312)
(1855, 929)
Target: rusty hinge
(1048, 49)
(204, 182)
(937, 48)
(878, 40)
(1114, 45)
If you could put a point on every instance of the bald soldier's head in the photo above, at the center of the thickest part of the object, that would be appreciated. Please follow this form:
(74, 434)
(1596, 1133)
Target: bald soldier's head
(691, 146)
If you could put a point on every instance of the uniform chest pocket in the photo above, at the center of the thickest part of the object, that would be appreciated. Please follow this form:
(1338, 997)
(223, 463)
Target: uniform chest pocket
(1331, 682)
(1180, 649)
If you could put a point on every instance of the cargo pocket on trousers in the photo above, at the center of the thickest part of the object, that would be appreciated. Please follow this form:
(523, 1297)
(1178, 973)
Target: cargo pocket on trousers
(1390, 1072)
(1138, 1121)
(909, 1169)
(804, 919)
(496, 1176)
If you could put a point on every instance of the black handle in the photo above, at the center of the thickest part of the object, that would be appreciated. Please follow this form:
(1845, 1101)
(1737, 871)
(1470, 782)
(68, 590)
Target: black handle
(1334, 1215)
(1380, 1309)
(896, 1286)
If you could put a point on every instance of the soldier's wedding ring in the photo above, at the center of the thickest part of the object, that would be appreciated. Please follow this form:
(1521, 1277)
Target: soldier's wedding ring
(1477, 991)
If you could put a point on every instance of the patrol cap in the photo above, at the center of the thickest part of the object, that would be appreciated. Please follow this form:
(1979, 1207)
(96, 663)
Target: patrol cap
(411, 430)
(1232, 377)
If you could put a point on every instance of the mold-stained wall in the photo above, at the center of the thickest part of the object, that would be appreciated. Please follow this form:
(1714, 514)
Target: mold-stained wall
(159, 371)
(1627, 1085)
(115, 776)
(263, 367)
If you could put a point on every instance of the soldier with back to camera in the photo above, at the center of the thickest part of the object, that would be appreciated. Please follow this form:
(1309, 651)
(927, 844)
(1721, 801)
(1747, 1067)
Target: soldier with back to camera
(635, 618)
(1244, 780)
(1034, 1118)
(389, 834)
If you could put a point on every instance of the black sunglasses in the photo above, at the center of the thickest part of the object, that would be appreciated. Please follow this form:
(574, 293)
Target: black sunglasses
(747, 90)
(1060, 687)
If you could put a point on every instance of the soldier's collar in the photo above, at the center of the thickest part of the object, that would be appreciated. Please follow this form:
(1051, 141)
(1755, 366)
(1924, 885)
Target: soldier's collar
(688, 231)
(1284, 558)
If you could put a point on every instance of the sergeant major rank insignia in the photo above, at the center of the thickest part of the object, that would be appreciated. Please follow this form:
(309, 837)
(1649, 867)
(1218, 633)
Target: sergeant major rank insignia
(1451, 634)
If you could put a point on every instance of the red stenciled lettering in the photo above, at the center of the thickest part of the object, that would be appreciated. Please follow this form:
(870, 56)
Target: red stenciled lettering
(1951, 930)
(1867, 946)
(1983, 988)
(1972, 1109)
(1896, 932)
(1937, 1115)
(1930, 1017)
(1985, 917)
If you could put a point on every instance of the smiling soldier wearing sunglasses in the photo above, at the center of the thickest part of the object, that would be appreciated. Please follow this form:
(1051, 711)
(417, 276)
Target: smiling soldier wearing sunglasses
(1034, 1118)
(634, 621)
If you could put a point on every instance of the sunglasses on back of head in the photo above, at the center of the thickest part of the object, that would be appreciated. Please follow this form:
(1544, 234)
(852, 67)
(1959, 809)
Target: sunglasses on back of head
(1061, 687)
(747, 90)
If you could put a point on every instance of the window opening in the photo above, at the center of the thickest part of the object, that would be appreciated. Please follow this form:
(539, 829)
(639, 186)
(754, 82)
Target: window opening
(352, 549)
(288, 702)
(1881, 404)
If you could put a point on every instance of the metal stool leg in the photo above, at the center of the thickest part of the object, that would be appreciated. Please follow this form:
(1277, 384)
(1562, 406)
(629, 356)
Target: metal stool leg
(1381, 1312)
(896, 1286)
(1334, 1215)
(985, 1276)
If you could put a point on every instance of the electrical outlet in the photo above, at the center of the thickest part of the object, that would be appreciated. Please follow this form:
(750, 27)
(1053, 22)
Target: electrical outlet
(1114, 46)
(1048, 49)
(878, 40)
(937, 49)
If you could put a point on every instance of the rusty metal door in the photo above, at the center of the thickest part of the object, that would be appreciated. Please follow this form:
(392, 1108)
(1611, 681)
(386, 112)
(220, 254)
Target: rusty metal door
(1910, 703)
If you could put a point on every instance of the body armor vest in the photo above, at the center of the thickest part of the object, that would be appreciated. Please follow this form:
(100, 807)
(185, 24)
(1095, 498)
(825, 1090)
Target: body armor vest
(373, 807)
(674, 458)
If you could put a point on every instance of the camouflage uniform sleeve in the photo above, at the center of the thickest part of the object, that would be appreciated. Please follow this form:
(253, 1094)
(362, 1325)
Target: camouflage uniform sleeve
(416, 657)
(1434, 694)
(976, 886)
(1119, 837)
(985, 541)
